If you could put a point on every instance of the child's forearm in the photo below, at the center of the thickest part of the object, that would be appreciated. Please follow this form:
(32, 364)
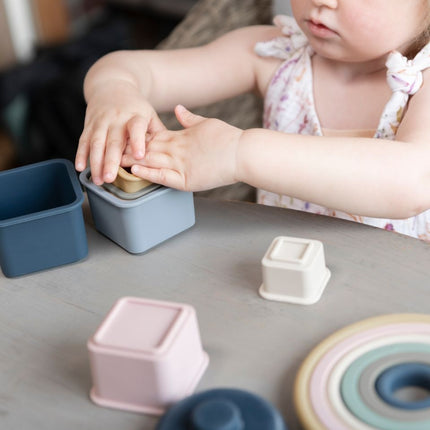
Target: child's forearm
(361, 176)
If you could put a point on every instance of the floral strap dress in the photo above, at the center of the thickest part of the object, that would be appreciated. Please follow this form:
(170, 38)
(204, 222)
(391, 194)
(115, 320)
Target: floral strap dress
(289, 107)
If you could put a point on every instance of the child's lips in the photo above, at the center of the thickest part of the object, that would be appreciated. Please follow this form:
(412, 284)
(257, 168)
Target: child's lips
(319, 29)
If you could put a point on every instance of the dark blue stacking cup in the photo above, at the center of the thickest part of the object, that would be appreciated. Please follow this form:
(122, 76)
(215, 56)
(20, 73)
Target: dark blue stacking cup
(41, 221)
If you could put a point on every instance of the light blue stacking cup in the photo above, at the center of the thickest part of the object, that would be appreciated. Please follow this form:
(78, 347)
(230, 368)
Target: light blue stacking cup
(138, 225)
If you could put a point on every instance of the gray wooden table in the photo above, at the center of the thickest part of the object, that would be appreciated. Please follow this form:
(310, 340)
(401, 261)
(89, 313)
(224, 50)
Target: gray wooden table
(253, 344)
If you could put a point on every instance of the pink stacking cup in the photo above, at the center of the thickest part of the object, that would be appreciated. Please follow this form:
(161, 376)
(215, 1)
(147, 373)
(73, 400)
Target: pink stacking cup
(146, 355)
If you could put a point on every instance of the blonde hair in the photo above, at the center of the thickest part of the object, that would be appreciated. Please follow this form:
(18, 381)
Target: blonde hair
(423, 38)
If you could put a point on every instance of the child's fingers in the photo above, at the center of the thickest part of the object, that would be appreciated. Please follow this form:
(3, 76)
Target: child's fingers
(97, 145)
(137, 128)
(115, 144)
(167, 177)
(186, 118)
(83, 151)
(152, 159)
(156, 125)
(160, 160)
(128, 160)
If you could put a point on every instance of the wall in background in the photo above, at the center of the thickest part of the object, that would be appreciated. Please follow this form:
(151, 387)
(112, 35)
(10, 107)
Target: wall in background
(17, 31)
(26, 24)
(7, 52)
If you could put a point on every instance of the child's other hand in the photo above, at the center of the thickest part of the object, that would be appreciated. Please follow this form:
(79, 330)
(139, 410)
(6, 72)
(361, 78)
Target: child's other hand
(199, 157)
(113, 121)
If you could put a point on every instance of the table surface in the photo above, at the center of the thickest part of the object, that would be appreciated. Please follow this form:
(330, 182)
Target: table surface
(46, 318)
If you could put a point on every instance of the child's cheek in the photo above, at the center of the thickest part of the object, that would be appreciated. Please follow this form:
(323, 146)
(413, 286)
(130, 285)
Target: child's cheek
(364, 24)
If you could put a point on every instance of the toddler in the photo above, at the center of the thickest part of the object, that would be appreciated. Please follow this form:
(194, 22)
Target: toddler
(342, 135)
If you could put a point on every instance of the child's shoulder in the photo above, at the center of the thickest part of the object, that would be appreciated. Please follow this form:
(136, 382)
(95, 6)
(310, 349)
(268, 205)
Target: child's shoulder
(239, 45)
(251, 35)
(264, 48)
(284, 28)
(239, 52)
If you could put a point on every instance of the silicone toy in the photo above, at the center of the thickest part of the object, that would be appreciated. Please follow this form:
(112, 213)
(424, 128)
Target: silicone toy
(372, 399)
(294, 271)
(400, 376)
(41, 221)
(146, 355)
(222, 409)
(352, 369)
(139, 224)
(124, 195)
(327, 391)
(128, 182)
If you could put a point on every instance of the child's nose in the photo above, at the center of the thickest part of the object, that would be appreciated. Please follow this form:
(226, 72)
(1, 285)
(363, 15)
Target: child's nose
(332, 4)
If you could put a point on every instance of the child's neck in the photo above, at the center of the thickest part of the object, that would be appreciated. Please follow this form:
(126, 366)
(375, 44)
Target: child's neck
(349, 72)
(349, 96)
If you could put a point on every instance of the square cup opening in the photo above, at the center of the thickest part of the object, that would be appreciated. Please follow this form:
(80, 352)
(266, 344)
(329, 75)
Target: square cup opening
(32, 189)
(290, 251)
(144, 327)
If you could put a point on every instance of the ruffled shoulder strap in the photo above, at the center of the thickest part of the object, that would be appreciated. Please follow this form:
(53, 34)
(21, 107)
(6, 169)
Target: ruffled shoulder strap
(284, 46)
(405, 78)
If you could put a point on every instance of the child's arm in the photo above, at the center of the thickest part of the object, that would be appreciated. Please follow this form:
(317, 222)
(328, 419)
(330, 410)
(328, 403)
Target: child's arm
(371, 177)
(125, 89)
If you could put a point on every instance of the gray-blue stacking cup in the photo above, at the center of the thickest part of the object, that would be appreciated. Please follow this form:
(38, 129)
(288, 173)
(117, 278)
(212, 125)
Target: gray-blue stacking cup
(140, 224)
(41, 221)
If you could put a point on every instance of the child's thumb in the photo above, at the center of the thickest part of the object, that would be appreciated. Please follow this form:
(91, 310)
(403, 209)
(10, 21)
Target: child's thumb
(186, 118)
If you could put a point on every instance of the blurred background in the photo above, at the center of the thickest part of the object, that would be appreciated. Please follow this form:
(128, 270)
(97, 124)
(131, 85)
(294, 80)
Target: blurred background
(46, 48)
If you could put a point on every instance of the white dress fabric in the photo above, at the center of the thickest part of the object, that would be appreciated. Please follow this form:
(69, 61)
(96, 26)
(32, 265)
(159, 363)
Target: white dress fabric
(290, 108)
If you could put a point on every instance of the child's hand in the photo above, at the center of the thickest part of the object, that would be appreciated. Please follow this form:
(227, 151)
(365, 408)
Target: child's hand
(114, 119)
(200, 157)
